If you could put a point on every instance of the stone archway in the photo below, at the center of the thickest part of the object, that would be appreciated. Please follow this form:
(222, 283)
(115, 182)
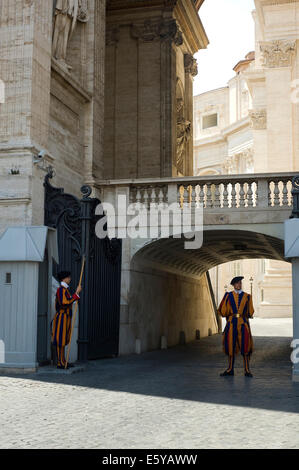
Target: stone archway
(169, 295)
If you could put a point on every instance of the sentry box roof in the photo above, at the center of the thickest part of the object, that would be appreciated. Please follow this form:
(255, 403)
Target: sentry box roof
(28, 244)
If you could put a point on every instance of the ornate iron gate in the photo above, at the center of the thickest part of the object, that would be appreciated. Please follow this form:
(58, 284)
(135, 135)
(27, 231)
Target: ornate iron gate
(99, 306)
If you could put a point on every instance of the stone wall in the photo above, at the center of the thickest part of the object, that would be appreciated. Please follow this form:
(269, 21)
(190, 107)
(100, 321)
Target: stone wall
(164, 304)
(48, 107)
(25, 48)
(77, 104)
(149, 87)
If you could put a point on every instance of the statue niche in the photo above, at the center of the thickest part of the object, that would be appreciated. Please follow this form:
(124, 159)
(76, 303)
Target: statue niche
(66, 14)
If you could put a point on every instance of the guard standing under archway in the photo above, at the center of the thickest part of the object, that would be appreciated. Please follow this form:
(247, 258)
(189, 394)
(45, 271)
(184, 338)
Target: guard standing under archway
(237, 307)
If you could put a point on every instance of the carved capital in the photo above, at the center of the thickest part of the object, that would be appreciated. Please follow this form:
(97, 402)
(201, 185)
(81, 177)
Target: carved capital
(231, 164)
(258, 119)
(170, 31)
(158, 31)
(112, 36)
(190, 64)
(277, 53)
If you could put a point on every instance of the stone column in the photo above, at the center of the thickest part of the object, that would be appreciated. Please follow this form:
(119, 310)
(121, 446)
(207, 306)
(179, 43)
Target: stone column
(258, 122)
(278, 59)
(191, 71)
(140, 99)
(146, 46)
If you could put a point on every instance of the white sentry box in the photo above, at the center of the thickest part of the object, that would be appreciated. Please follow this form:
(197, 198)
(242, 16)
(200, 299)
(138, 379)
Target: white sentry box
(26, 257)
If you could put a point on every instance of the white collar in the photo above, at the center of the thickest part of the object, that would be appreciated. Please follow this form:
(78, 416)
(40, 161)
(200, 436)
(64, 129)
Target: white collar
(64, 284)
(238, 291)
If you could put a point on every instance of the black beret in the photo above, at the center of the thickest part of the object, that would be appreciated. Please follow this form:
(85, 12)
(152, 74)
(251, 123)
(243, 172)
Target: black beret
(236, 279)
(62, 275)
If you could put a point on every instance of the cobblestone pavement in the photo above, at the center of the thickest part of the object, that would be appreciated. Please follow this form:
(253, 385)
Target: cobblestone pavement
(162, 399)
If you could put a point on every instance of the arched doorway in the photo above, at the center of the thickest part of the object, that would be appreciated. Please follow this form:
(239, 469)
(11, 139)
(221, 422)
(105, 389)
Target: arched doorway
(169, 293)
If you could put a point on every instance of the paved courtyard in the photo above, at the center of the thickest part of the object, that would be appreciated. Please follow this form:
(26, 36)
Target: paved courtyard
(162, 399)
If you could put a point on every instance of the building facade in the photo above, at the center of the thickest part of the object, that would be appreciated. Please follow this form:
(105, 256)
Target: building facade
(97, 90)
(251, 126)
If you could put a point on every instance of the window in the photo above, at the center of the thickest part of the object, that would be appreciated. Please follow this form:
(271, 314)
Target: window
(210, 121)
(8, 278)
(237, 268)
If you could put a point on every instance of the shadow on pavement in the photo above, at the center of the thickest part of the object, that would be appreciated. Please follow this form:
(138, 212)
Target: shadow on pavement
(191, 372)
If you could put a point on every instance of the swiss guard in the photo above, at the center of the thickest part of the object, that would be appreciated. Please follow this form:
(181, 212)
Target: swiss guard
(237, 307)
(62, 321)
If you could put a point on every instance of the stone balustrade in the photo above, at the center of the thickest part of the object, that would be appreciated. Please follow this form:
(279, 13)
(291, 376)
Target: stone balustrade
(213, 192)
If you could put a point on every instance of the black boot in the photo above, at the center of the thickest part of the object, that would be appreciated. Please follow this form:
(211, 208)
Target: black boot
(223, 374)
(248, 374)
(230, 369)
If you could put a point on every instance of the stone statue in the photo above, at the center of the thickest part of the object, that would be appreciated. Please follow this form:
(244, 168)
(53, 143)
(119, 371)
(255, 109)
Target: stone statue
(183, 135)
(66, 15)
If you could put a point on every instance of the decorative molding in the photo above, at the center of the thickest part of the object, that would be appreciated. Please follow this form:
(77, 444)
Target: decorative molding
(154, 31)
(231, 164)
(70, 81)
(258, 119)
(240, 162)
(112, 36)
(190, 64)
(277, 53)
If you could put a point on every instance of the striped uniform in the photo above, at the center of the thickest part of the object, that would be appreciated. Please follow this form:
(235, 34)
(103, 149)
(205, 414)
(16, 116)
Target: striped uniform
(237, 335)
(62, 322)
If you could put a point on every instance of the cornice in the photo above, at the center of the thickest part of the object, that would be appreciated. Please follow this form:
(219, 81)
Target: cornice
(163, 30)
(191, 25)
(184, 11)
(276, 2)
(223, 134)
(120, 4)
(132, 4)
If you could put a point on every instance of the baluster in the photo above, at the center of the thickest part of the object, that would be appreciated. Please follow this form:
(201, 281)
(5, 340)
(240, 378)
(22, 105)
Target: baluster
(182, 196)
(290, 195)
(249, 195)
(255, 194)
(196, 189)
(225, 195)
(153, 197)
(233, 195)
(138, 199)
(189, 191)
(146, 198)
(209, 196)
(276, 198)
(217, 196)
(202, 195)
(270, 198)
(242, 195)
(285, 193)
(161, 198)
(193, 196)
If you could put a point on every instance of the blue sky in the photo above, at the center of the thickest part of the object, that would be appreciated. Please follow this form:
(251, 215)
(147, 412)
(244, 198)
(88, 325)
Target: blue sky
(230, 28)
